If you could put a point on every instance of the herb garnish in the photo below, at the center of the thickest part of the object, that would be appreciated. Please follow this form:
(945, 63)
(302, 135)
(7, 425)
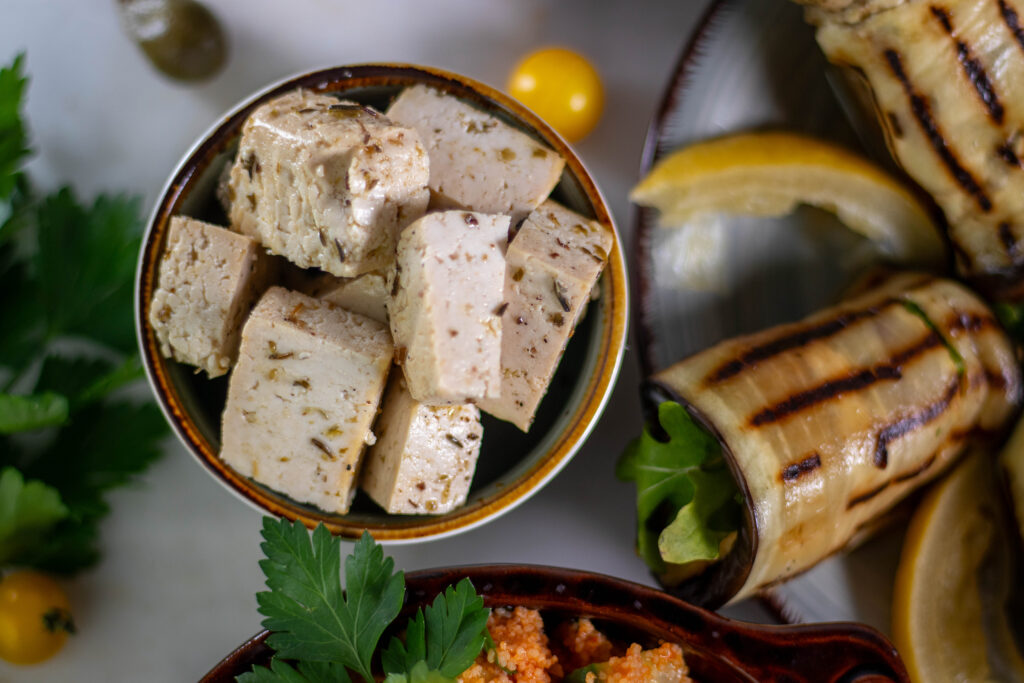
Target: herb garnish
(331, 635)
(68, 345)
(687, 501)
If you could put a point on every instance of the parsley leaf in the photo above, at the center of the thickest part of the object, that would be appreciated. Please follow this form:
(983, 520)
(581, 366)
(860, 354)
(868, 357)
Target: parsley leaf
(447, 636)
(686, 498)
(84, 267)
(13, 142)
(66, 271)
(25, 413)
(307, 672)
(311, 618)
(102, 446)
(27, 511)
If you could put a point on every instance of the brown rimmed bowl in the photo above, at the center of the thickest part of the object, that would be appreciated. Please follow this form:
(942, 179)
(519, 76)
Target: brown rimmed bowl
(512, 465)
(716, 649)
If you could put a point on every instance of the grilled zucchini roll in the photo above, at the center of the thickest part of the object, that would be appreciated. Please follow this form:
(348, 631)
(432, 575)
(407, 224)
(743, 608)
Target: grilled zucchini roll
(943, 80)
(827, 423)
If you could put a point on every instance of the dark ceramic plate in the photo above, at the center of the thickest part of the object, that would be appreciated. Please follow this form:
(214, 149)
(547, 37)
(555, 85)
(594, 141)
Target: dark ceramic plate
(512, 465)
(716, 649)
(754, 64)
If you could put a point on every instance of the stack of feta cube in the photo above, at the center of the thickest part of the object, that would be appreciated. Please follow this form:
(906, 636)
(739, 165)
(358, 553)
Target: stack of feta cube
(442, 281)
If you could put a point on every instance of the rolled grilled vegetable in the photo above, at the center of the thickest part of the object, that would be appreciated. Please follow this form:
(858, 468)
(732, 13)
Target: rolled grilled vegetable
(942, 79)
(827, 423)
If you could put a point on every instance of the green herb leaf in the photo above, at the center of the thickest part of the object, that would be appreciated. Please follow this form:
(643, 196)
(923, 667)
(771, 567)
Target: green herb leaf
(668, 475)
(312, 620)
(447, 636)
(307, 672)
(86, 380)
(420, 673)
(84, 267)
(102, 446)
(28, 510)
(26, 413)
(13, 142)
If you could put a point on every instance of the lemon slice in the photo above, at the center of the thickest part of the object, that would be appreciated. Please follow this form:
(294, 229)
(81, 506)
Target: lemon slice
(949, 621)
(770, 173)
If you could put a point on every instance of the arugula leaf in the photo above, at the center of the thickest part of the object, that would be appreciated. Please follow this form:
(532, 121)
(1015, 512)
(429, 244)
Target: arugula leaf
(26, 413)
(312, 620)
(683, 492)
(446, 637)
(27, 511)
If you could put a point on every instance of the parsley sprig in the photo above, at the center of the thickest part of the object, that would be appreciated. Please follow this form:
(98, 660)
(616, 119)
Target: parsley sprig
(68, 345)
(321, 633)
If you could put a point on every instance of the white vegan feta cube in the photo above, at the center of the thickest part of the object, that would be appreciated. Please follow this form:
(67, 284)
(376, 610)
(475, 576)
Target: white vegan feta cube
(424, 458)
(553, 263)
(303, 396)
(327, 183)
(477, 161)
(209, 279)
(366, 294)
(444, 308)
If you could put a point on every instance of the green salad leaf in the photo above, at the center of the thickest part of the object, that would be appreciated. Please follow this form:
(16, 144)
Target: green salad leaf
(323, 633)
(687, 501)
(66, 271)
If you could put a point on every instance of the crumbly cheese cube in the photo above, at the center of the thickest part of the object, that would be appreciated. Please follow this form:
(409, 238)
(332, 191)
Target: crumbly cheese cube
(553, 263)
(424, 458)
(444, 308)
(366, 295)
(477, 161)
(327, 183)
(303, 396)
(209, 280)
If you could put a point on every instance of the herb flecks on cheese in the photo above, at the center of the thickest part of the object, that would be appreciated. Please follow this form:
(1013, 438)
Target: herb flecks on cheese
(327, 183)
(303, 396)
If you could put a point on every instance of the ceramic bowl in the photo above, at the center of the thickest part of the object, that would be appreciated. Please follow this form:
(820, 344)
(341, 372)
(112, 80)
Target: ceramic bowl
(716, 649)
(512, 465)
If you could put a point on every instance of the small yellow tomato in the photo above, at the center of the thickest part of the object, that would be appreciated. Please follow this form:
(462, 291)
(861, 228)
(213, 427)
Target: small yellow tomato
(35, 617)
(561, 87)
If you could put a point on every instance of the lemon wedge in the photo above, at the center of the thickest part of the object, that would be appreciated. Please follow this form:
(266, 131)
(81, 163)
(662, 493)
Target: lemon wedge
(949, 617)
(770, 173)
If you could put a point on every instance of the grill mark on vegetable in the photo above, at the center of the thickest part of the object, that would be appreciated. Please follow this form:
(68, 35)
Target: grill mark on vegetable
(791, 341)
(922, 112)
(798, 469)
(904, 426)
(1008, 240)
(1008, 155)
(1012, 22)
(892, 369)
(973, 68)
(970, 322)
(923, 467)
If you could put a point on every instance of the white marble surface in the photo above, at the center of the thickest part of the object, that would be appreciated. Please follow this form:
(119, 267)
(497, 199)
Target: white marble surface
(174, 592)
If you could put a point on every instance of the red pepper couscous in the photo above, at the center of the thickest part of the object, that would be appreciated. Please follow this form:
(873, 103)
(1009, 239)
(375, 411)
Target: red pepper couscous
(522, 653)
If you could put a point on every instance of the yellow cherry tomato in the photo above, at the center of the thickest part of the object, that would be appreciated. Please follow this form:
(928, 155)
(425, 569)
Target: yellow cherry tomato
(561, 87)
(35, 617)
